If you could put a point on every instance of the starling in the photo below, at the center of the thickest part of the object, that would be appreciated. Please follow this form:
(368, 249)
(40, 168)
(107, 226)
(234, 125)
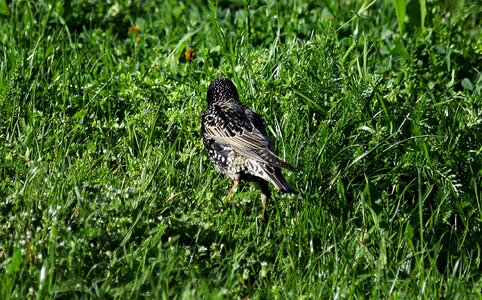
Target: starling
(235, 139)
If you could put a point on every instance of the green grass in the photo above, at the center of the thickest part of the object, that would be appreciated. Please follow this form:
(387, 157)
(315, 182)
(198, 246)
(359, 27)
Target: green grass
(106, 191)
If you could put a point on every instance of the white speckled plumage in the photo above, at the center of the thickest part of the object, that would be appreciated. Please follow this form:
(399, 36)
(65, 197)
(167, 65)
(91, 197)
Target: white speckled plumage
(236, 142)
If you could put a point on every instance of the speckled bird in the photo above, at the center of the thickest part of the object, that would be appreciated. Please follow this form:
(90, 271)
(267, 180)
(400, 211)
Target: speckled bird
(235, 139)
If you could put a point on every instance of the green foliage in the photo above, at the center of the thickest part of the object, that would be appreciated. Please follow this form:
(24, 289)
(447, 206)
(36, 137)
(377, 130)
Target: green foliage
(107, 193)
(401, 10)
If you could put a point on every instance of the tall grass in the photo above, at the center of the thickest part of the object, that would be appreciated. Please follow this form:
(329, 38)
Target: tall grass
(107, 193)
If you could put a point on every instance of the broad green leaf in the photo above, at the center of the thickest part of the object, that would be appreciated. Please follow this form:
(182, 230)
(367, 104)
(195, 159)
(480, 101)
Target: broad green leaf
(400, 9)
(467, 84)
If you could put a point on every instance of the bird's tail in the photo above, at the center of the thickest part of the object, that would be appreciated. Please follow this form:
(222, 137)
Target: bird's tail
(274, 160)
(278, 180)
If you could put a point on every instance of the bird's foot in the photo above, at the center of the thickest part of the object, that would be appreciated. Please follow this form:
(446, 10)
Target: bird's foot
(231, 204)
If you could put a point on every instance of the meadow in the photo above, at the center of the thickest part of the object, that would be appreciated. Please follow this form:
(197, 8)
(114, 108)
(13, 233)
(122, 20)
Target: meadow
(106, 191)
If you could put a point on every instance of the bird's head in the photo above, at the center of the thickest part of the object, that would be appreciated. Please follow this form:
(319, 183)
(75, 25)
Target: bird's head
(222, 90)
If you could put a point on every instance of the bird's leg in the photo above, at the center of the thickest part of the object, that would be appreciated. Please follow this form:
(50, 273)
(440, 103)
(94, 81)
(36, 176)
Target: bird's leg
(265, 193)
(264, 200)
(235, 179)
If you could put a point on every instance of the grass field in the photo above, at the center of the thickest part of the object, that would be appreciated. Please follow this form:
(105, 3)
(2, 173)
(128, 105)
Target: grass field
(106, 192)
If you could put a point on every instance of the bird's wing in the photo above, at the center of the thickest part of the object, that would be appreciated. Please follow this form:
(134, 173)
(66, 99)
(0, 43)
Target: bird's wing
(243, 131)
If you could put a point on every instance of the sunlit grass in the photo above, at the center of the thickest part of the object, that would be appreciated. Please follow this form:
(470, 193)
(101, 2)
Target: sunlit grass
(107, 192)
